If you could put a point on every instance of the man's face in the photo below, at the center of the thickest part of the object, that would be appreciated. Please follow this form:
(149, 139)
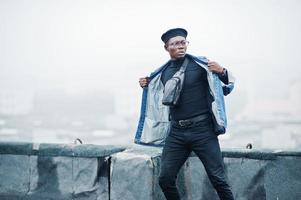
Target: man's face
(176, 47)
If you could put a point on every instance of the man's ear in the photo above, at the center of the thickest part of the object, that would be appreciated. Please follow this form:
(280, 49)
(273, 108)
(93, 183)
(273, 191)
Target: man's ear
(165, 47)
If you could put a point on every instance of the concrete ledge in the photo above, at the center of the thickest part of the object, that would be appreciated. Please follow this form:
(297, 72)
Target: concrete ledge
(69, 150)
(55, 171)
(258, 154)
(252, 174)
(86, 172)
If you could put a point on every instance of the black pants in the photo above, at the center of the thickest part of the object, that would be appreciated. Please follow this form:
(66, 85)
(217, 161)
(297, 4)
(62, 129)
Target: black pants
(200, 139)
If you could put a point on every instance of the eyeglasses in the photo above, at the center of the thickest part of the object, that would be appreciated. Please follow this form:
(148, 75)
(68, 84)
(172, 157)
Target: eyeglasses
(179, 43)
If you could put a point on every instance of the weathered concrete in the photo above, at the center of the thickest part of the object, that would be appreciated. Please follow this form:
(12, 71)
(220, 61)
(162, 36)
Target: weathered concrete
(86, 172)
(252, 175)
(54, 171)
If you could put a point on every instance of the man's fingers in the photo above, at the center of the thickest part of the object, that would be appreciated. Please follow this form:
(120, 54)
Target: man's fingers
(211, 63)
(143, 81)
(143, 85)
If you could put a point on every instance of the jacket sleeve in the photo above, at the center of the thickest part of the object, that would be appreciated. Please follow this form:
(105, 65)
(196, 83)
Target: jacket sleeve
(228, 82)
(227, 79)
(224, 77)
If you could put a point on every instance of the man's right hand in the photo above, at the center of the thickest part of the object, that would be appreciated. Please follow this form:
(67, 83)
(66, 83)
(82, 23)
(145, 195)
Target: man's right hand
(144, 82)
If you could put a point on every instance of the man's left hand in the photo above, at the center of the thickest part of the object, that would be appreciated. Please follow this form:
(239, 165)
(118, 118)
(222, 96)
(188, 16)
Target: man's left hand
(215, 67)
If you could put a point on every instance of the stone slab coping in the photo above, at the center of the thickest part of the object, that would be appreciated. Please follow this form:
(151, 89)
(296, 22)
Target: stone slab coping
(52, 149)
(92, 150)
(259, 154)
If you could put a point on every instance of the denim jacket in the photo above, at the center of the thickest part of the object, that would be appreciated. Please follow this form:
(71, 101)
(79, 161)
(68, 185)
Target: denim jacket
(154, 123)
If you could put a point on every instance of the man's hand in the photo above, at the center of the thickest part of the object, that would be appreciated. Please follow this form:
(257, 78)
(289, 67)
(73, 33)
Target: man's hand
(215, 67)
(143, 82)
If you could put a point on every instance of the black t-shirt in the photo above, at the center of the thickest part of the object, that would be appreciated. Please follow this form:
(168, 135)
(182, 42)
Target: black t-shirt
(193, 99)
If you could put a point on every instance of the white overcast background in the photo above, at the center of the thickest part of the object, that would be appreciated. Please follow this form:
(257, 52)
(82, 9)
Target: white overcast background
(86, 45)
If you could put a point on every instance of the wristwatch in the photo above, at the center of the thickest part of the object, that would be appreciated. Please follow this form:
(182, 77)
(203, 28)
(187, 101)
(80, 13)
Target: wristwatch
(223, 72)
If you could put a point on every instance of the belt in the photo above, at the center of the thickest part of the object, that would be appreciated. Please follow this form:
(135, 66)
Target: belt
(190, 121)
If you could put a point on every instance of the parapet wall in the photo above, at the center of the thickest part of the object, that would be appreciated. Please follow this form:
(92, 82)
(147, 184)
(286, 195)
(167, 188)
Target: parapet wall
(54, 171)
(86, 172)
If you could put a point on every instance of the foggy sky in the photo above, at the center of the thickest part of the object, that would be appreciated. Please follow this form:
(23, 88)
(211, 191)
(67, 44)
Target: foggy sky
(78, 46)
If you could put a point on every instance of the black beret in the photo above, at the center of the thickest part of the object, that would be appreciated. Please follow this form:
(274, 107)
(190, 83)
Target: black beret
(173, 33)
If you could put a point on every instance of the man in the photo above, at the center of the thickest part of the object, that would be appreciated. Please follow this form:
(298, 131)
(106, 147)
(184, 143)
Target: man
(194, 123)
